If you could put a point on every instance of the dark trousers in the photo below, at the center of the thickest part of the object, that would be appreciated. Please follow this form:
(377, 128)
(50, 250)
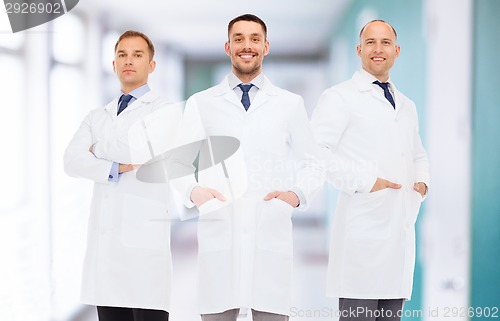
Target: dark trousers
(370, 310)
(130, 314)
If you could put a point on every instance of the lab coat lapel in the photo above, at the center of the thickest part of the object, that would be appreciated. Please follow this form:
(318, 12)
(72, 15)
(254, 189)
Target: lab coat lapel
(263, 95)
(380, 97)
(230, 96)
(398, 98)
(112, 108)
(223, 89)
(364, 86)
(147, 98)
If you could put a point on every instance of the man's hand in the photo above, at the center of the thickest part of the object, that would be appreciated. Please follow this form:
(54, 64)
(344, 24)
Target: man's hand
(421, 188)
(288, 197)
(123, 168)
(200, 195)
(381, 184)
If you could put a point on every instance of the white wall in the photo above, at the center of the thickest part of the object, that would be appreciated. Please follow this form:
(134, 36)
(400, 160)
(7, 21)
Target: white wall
(446, 229)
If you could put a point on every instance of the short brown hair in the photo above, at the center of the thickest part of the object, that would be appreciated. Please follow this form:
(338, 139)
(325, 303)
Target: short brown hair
(247, 17)
(133, 33)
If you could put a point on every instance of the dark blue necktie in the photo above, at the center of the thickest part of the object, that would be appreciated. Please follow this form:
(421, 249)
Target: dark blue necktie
(245, 99)
(123, 103)
(387, 92)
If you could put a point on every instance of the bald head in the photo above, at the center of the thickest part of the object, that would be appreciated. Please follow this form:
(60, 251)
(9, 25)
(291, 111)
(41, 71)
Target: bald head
(379, 21)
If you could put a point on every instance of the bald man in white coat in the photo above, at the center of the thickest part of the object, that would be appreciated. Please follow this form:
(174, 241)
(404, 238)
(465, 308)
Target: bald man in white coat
(368, 133)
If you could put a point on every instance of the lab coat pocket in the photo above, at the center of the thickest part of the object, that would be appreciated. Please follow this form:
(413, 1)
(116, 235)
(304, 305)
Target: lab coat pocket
(214, 226)
(370, 216)
(274, 227)
(210, 206)
(145, 224)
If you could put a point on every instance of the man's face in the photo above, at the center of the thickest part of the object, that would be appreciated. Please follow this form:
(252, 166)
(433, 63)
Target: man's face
(132, 64)
(378, 49)
(247, 46)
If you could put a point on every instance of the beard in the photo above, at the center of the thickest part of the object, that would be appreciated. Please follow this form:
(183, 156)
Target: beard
(247, 70)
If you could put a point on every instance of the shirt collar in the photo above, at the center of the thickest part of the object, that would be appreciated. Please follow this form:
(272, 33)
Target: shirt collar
(235, 81)
(368, 78)
(139, 91)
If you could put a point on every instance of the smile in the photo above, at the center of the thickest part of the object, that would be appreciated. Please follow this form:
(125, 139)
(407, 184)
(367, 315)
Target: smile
(246, 56)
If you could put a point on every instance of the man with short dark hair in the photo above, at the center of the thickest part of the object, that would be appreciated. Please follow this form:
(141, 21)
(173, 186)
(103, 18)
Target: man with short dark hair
(127, 268)
(245, 244)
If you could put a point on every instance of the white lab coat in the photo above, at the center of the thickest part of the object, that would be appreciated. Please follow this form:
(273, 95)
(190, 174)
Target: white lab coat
(128, 260)
(362, 137)
(245, 248)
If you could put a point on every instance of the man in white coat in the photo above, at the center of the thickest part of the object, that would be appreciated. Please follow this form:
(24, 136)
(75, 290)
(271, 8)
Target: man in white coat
(368, 134)
(127, 268)
(245, 247)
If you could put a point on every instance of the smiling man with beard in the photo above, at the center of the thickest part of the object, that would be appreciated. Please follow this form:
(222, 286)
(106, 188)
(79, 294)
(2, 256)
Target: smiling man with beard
(245, 245)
